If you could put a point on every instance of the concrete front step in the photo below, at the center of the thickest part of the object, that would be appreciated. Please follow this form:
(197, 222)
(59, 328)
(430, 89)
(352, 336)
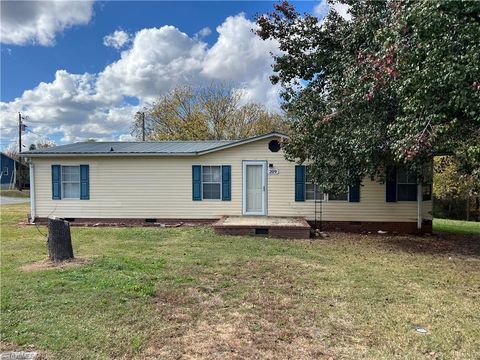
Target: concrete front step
(284, 227)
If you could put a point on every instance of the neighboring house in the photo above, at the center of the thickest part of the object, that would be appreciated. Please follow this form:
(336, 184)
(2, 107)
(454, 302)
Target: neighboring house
(9, 175)
(205, 180)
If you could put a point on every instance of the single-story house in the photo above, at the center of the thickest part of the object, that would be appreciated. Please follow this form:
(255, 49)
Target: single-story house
(9, 166)
(203, 181)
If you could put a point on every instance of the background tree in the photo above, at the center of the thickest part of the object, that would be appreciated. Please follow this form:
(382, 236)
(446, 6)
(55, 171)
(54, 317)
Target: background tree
(456, 194)
(12, 149)
(213, 112)
(22, 175)
(41, 145)
(396, 84)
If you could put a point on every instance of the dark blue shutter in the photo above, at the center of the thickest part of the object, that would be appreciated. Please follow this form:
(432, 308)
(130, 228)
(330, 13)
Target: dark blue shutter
(299, 183)
(354, 193)
(56, 182)
(196, 182)
(226, 182)
(84, 182)
(391, 184)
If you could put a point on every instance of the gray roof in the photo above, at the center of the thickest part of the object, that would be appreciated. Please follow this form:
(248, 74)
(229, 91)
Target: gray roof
(131, 147)
(164, 148)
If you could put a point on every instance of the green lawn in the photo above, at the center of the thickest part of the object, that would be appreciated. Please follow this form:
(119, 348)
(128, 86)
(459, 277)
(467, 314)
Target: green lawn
(456, 226)
(185, 292)
(15, 193)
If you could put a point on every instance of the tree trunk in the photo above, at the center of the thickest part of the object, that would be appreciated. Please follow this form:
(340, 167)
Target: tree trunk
(450, 207)
(59, 240)
(468, 207)
(477, 207)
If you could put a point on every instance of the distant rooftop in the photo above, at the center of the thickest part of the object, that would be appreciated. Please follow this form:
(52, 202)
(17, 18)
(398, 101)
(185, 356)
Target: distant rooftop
(196, 147)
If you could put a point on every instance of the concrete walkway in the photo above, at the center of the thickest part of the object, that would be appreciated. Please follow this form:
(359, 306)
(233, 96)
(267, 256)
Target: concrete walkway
(4, 200)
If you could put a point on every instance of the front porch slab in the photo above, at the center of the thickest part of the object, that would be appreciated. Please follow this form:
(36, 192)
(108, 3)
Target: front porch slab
(284, 227)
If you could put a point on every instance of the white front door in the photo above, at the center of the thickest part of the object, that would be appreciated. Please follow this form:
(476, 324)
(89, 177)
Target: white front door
(254, 188)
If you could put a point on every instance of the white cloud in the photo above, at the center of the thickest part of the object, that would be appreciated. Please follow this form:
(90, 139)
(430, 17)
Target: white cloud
(68, 105)
(118, 39)
(159, 59)
(204, 32)
(38, 22)
(342, 10)
(87, 105)
(238, 54)
(323, 8)
(126, 137)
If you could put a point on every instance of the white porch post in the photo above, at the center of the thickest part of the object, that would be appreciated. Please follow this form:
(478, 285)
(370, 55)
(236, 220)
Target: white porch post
(32, 192)
(419, 206)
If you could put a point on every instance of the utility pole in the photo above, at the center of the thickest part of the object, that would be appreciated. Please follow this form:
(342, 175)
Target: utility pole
(19, 133)
(21, 128)
(143, 126)
(19, 172)
(139, 115)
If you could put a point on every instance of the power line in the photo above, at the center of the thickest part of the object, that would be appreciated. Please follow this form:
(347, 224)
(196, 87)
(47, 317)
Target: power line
(35, 133)
(8, 141)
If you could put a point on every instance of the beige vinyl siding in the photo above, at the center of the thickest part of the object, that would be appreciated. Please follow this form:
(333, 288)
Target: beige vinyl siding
(161, 187)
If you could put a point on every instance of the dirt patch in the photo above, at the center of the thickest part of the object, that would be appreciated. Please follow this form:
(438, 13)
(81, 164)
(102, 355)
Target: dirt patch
(439, 244)
(48, 264)
(237, 336)
(244, 318)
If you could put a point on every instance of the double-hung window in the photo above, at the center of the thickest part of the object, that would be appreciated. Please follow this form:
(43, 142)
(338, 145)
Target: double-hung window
(406, 185)
(211, 182)
(70, 182)
(312, 190)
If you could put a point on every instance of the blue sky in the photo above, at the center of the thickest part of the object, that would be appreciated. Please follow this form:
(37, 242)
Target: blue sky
(56, 68)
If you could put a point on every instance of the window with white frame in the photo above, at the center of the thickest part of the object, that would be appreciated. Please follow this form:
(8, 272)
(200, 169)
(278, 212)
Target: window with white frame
(70, 182)
(406, 185)
(312, 190)
(211, 182)
(5, 171)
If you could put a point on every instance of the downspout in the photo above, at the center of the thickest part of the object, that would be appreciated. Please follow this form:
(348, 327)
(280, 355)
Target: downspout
(419, 206)
(32, 193)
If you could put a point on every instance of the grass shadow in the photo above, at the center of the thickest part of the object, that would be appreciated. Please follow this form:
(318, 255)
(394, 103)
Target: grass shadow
(438, 244)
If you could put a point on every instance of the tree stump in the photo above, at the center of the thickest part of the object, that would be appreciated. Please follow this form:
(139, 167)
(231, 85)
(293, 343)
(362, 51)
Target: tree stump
(59, 240)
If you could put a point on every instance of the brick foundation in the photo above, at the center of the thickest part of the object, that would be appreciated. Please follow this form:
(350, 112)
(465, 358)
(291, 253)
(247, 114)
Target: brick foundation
(129, 222)
(374, 226)
(287, 232)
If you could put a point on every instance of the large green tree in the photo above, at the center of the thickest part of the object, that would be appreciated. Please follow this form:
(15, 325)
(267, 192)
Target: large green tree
(395, 84)
(212, 112)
